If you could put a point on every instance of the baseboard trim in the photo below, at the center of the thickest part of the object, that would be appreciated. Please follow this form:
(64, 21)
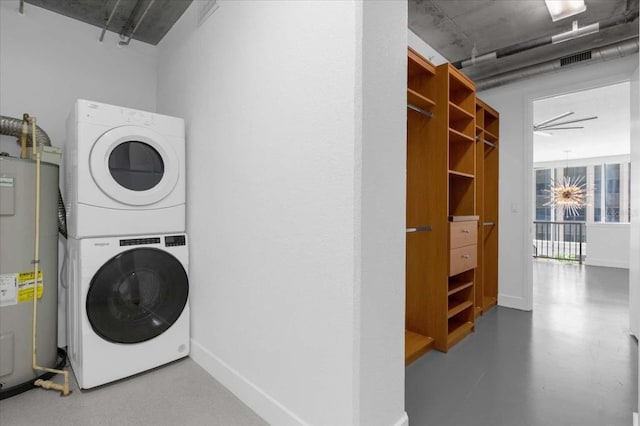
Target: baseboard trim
(513, 302)
(403, 421)
(606, 263)
(258, 400)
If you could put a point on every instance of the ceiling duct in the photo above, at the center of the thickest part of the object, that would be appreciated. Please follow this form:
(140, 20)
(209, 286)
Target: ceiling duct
(612, 51)
(627, 17)
(578, 57)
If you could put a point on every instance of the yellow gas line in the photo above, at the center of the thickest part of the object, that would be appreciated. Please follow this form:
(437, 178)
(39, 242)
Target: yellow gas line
(46, 384)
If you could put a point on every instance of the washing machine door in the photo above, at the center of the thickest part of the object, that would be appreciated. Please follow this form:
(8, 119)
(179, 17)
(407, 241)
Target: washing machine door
(134, 165)
(137, 295)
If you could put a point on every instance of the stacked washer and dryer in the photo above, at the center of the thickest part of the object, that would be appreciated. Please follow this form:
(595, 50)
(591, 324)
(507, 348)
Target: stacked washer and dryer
(127, 253)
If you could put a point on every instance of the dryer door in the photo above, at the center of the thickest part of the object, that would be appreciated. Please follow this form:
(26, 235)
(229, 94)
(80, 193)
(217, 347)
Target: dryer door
(137, 295)
(134, 165)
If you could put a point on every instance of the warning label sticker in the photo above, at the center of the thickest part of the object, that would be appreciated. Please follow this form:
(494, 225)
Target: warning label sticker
(8, 289)
(25, 286)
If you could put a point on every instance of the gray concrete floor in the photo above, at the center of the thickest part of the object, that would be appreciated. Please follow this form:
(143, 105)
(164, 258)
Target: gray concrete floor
(177, 394)
(570, 362)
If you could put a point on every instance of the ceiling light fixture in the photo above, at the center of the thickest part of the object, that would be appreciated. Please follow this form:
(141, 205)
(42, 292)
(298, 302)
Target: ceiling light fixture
(569, 194)
(560, 9)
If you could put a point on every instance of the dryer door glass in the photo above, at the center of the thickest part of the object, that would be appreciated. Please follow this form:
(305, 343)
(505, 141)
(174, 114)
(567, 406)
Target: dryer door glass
(137, 295)
(136, 165)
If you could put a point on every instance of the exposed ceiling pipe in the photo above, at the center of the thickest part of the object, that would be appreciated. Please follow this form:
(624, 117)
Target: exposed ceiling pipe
(126, 43)
(625, 18)
(106, 24)
(612, 51)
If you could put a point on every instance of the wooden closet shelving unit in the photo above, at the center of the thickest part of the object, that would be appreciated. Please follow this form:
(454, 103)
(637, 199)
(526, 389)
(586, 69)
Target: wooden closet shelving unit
(450, 197)
(421, 105)
(487, 144)
(459, 285)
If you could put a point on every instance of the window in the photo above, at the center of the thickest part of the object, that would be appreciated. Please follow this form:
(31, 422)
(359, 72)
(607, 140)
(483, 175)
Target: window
(612, 192)
(597, 193)
(543, 180)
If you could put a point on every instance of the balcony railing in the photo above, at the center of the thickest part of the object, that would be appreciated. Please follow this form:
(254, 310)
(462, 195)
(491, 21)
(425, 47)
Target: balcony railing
(560, 240)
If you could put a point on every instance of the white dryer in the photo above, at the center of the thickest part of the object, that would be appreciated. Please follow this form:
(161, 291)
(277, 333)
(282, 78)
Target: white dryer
(128, 308)
(124, 172)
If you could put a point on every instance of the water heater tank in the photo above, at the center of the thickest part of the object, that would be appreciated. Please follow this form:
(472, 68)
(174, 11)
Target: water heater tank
(17, 217)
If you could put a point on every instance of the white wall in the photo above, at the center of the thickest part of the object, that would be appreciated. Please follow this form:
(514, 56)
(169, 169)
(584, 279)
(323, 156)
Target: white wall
(514, 102)
(47, 61)
(634, 252)
(578, 162)
(608, 245)
(284, 139)
(634, 248)
(428, 52)
(383, 161)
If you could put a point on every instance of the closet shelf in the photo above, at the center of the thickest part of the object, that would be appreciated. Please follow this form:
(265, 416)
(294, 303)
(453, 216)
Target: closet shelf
(458, 330)
(490, 136)
(457, 113)
(415, 345)
(457, 286)
(459, 307)
(457, 136)
(421, 101)
(461, 174)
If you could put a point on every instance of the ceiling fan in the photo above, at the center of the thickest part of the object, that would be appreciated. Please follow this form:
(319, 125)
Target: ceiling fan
(551, 124)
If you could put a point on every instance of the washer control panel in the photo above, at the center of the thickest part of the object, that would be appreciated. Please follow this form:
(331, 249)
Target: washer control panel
(175, 240)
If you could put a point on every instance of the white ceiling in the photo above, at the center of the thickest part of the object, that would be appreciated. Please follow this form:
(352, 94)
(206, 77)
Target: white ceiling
(606, 136)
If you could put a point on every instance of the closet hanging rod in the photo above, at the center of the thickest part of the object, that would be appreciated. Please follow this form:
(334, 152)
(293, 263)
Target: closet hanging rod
(106, 25)
(420, 110)
(491, 144)
(420, 229)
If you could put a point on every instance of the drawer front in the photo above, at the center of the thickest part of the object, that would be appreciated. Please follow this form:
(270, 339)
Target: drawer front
(463, 233)
(462, 259)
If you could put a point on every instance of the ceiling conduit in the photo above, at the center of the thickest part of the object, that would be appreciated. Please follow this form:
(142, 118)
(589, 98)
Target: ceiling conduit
(629, 16)
(605, 53)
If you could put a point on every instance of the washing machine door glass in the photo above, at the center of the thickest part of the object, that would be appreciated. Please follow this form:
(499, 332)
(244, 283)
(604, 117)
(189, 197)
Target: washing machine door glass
(134, 165)
(137, 295)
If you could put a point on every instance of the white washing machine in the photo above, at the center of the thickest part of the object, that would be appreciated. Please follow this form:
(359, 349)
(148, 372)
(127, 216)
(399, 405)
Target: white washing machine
(124, 172)
(128, 308)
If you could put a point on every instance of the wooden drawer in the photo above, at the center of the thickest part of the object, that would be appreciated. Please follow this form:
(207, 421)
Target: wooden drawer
(463, 234)
(462, 259)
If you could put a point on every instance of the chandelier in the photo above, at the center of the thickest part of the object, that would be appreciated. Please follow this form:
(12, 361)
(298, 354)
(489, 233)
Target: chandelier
(570, 194)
